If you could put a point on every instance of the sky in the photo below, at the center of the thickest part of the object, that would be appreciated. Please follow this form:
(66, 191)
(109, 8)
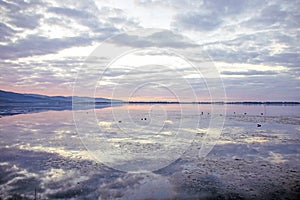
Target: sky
(205, 50)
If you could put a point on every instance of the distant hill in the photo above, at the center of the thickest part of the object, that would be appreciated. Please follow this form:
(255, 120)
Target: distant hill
(12, 97)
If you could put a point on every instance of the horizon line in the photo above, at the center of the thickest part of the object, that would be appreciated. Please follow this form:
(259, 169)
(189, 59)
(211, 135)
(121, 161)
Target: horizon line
(177, 102)
(212, 102)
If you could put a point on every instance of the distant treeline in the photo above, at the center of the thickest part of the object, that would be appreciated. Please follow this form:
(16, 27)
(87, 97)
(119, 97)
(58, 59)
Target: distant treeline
(220, 102)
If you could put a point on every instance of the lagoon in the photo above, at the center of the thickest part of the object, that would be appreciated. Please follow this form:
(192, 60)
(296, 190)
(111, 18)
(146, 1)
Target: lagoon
(147, 151)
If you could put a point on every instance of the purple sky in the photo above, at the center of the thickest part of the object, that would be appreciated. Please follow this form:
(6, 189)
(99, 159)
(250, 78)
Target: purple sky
(254, 45)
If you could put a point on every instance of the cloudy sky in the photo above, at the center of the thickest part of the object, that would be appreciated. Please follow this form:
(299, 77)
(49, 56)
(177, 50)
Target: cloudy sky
(253, 46)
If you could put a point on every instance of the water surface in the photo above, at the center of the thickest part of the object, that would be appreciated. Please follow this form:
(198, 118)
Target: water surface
(44, 152)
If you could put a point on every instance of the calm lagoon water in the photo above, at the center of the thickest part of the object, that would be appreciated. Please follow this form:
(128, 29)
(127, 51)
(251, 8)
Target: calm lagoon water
(152, 151)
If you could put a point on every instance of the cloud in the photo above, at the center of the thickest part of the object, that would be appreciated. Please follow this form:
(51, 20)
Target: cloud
(207, 15)
(199, 21)
(226, 7)
(81, 16)
(25, 21)
(249, 73)
(21, 5)
(154, 38)
(23, 14)
(275, 16)
(41, 18)
(268, 48)
(6, 32)
(245, 32)
(70, 12)
(37, 35)
(264, 88)
(37, 45)
(104, 19)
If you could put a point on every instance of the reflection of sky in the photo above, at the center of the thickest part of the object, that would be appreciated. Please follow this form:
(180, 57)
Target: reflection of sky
(267, 110)
(140, 137)
(43, 151)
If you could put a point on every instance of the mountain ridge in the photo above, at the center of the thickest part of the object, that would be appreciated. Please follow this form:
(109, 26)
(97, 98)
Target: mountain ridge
(13, 97)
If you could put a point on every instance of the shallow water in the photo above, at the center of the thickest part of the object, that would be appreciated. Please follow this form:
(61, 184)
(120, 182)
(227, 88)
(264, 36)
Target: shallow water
(152, 152)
